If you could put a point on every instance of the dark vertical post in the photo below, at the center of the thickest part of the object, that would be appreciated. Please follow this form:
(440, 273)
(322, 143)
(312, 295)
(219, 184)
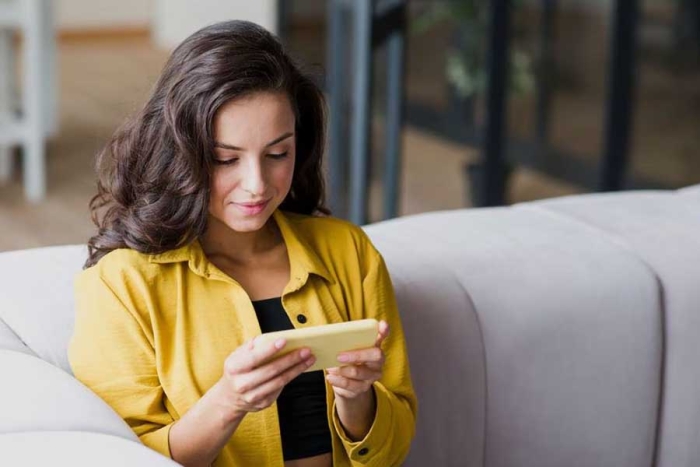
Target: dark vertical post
(362, 115)
(621, 88)
(544, 76)
(394, 115)
(283, 10)
(494, 164)
(335, 84)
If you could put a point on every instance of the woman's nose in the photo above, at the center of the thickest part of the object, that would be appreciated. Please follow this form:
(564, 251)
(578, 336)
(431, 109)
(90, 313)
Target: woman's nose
(254, 179)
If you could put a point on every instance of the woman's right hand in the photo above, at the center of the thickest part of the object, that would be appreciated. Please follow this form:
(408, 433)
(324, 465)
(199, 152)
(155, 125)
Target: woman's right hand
(249, 385)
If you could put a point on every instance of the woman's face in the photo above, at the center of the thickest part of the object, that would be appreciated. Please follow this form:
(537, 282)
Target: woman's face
(254, 160)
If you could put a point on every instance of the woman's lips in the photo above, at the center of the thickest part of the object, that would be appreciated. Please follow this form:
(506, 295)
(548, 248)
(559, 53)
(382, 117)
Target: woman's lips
(251, 209)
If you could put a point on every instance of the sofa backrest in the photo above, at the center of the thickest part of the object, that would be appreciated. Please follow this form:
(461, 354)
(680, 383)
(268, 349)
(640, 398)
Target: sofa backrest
(38, 392)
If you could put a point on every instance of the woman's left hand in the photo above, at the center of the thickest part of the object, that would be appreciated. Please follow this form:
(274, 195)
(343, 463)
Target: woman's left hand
(363, 368)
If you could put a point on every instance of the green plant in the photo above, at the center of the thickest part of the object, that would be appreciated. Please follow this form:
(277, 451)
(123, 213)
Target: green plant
(466, 60)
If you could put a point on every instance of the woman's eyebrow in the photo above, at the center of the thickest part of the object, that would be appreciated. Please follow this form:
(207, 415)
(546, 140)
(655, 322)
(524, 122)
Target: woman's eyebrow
(236, 148)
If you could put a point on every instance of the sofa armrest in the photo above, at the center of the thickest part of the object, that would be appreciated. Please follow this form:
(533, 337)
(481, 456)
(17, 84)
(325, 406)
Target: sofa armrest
(37, 396)
(77, 449)
(36, 298)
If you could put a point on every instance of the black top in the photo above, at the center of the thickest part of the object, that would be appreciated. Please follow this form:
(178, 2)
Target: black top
(302, 404)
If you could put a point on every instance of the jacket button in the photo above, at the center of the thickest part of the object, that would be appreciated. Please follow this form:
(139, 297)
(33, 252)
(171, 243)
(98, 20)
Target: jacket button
(363, 451)
(301, 319)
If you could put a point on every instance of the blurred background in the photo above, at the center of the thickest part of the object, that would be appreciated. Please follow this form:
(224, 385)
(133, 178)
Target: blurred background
(434, 104)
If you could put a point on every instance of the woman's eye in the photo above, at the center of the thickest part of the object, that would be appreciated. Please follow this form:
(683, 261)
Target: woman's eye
(225, 161)
(279, 156)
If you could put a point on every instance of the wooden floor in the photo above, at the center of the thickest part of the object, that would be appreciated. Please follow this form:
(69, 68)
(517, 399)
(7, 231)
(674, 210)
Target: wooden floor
(103, 81)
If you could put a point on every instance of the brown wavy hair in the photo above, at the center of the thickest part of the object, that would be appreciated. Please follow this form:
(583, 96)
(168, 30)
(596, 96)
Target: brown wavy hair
(154, 173)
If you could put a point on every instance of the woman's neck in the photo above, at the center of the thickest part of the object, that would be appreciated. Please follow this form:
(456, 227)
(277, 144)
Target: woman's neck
(219, 240)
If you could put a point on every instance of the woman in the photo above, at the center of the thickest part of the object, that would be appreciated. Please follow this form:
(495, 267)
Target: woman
(213, 229)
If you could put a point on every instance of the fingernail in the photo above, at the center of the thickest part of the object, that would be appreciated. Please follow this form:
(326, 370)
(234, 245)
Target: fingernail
(304, 353)
(333, 379)
(311, 361)
(343, 358)
(279, 343)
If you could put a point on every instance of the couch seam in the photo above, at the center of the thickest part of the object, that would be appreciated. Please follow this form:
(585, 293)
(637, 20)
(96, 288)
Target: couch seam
(18, 338)
(485, 361)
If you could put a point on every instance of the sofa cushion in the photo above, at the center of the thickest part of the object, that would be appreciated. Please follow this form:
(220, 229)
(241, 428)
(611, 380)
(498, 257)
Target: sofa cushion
(36, 396)
(663, 229)
(446, 355)
(570, 325)
(76, 449)
(36, 299)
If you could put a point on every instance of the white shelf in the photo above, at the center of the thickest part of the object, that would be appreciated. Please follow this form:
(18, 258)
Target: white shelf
(33, 19)
(12, 131)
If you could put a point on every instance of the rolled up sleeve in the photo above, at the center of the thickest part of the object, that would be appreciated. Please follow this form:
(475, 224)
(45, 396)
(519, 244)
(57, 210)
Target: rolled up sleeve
(389, 439)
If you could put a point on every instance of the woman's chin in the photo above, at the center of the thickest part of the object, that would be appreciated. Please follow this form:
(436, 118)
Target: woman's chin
(247, 224)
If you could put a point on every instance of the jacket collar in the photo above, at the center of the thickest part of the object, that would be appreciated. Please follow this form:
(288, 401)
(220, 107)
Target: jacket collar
(302, 258)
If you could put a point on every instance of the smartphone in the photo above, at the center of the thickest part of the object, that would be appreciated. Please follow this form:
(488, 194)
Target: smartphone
(326, 341)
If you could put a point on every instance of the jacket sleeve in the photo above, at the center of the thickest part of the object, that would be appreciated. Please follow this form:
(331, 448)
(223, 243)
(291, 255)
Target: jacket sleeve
(112, 353)
(389, 439)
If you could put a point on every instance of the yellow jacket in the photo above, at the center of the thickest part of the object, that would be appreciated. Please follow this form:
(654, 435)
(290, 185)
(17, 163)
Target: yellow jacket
(152, 333)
